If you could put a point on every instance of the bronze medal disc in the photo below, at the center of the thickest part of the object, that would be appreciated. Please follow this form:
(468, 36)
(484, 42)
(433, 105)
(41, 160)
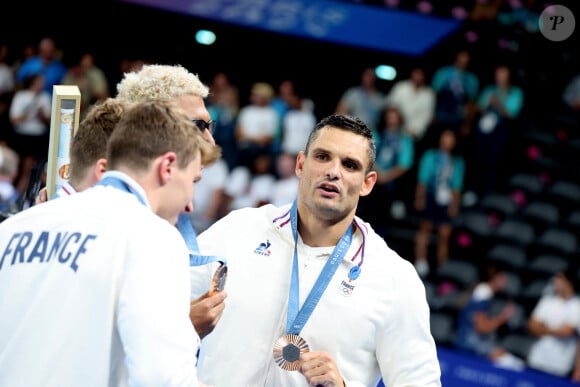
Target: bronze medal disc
(287, 351)
(219, 279)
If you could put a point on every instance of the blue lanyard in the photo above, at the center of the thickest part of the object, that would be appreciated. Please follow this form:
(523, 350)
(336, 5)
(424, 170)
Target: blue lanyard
(297, 317)
(188, 233)
(123, 186)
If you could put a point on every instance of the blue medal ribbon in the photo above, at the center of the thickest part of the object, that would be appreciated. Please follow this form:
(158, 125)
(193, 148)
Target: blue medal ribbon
(188, 233)
(118, 183)
(297, 316)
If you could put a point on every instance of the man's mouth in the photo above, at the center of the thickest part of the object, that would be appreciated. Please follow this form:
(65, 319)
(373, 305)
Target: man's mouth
(327, 187)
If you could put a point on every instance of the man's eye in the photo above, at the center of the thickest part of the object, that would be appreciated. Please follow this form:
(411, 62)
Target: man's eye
(352, 166)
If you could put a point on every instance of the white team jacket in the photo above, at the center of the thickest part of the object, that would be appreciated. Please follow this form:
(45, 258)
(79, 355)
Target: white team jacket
(94, 291)
(375, 326)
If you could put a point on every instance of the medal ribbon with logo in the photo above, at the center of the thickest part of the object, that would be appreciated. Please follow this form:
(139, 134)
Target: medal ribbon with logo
(288, 348)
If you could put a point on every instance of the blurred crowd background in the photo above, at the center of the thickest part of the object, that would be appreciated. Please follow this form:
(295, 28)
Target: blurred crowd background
(478, 139)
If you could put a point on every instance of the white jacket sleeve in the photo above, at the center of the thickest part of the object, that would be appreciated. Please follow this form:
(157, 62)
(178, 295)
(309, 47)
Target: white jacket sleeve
(414, 362)
(159, 340)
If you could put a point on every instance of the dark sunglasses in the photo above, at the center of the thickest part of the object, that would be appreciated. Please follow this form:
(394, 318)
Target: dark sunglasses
(203, 125)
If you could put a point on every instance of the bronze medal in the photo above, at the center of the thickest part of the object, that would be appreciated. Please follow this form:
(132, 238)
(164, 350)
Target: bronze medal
(218, 281)
(287, 351)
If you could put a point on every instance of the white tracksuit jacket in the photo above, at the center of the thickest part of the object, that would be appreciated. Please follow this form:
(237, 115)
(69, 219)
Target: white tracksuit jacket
(94, 291)
(375, 326)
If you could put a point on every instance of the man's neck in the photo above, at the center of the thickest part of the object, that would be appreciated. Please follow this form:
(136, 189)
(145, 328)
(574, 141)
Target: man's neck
(321, 233)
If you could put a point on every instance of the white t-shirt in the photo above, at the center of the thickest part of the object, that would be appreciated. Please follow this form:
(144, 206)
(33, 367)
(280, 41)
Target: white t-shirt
(32, 105)
(417, 106)
(549, 353)
(94, 291)
(248, 190)
(258, 121)
(284, 191)
(297, 127)
(376, 323)
(214, 179)
(7, 79)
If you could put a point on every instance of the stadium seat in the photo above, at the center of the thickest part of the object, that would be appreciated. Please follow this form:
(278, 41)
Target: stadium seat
(515, 232)
(461, 273)
(541, 214)
(555, 241)
(529, 184)
(471, 233)
(510, 256)
(518, 343)
(565, 194)
(443, 327)
(545, 266)
(501, 205)
(571, 222)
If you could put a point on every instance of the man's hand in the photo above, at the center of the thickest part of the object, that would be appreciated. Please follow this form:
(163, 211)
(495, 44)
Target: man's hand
(320, 370)
(206, 311)
(42, 196)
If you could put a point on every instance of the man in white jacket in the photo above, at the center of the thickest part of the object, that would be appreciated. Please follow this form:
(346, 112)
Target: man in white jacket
(94, 288)
(315, 296)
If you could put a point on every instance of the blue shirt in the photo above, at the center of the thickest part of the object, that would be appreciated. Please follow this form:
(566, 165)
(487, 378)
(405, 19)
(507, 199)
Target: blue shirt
(53, 72)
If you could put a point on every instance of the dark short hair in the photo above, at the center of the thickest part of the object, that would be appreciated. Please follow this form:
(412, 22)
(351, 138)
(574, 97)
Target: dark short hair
(348, 123)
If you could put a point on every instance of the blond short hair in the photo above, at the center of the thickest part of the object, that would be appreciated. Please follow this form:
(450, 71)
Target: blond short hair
(157, 82)
(149, 129)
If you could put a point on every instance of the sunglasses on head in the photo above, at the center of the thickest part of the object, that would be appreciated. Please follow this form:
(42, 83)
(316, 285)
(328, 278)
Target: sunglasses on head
(203, 125)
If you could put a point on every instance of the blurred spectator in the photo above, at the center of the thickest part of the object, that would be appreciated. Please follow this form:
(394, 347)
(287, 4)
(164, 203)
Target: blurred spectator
(499, 105)
(395, 155)
(9, 161)
(437, 198)
(571, 97)
(125, 65)
(90, 79)
(416, 100)
(285, 100)
(364, 101)
(30, 117)
(29, 49)
(209, 196)
(250, 187)
(456, 89)
(7, 85)
(297, 124)
(223, 104)
(257, 125)
(285, 187)
(554, 321)
(47, 62)
(477, 328)
(286, 92)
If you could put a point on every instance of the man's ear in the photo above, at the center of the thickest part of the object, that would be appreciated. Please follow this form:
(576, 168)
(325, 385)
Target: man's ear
(299, 163)
(167, 162)
(100, 168)
(368, 183)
